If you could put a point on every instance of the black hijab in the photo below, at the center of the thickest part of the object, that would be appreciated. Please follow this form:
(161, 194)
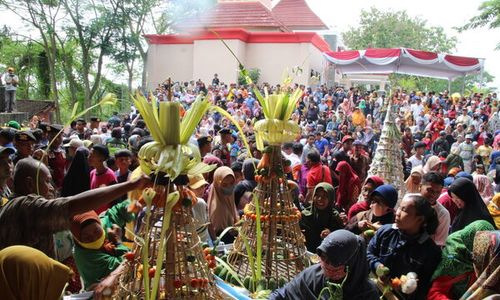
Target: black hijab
(248, 183)
(474, 208)
(342, 248)
(77, 180)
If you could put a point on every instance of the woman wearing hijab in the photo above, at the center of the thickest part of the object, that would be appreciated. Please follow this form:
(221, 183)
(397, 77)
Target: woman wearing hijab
(321, 218)
(98, 247)
(407, 246)
(248, 183)
(484, 187)
(382, 202)
(470, 205)
(455, 272)
(221, 207)
(433, 164)
(358, 118)
(27, 273)
(445, 198)
(211, 159)
(349, 186)
(77, 179)
(413, 181)
(341, 274)
(486, 258)
(363, 203)
(494, 209)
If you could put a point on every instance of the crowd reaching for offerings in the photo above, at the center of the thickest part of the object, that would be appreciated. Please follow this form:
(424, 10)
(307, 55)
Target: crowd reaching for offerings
(70, 195)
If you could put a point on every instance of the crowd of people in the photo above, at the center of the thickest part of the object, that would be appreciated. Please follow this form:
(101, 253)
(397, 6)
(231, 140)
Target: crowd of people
(69, 193)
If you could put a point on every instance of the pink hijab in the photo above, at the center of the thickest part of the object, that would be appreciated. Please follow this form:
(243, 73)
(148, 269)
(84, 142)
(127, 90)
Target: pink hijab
(484, 187)
(221, 208)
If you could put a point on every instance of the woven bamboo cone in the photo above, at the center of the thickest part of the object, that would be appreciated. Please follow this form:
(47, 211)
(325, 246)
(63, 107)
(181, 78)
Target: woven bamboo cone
(283, 248)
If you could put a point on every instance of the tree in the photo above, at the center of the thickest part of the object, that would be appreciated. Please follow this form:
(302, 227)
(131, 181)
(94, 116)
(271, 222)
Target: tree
(489, 16)
(43, 15)
(390, 29)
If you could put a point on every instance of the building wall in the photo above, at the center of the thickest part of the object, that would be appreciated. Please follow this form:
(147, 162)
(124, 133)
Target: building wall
(273, 60)
(203, 58)
(169, 60)
(211, 56)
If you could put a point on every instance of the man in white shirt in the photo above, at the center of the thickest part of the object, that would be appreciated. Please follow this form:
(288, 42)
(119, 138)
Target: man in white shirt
(416, 108)
(11, 80)
(464, 118)
(430, 189)
(288, 153)
(416, 159)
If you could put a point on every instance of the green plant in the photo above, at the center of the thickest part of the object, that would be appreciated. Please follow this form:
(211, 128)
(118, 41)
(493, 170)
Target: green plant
(254, 74)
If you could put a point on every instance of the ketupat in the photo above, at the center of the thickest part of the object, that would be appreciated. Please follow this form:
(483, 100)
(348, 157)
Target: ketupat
(171, 137)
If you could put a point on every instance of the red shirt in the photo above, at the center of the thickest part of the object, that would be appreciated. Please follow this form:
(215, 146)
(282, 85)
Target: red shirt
(104, 179)
(57, 165)
(317, 174)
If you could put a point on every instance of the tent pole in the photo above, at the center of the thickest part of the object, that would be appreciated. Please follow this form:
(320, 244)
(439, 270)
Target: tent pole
(449, 85)
(481, 78)
(463, 86)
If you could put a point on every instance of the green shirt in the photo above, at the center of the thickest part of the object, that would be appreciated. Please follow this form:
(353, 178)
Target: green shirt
(94, 265)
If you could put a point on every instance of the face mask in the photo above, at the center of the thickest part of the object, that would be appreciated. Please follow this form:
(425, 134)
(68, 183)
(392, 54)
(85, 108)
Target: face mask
(95, 245)
(228, 191)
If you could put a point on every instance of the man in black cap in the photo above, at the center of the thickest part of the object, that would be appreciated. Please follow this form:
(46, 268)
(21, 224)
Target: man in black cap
(225, 139)
(205, 145)
(440, 144)
(56, 154)
(7, 137)
(94, 123)
(81, 131)
(417, 158)
(6, 170)
(24, 141)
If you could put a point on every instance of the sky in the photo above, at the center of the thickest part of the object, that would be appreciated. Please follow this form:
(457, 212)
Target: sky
(478, 43)
(340, 15)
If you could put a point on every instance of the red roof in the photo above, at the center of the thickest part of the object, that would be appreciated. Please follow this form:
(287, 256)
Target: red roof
(233, 14)
(296, 14)
(242, 35)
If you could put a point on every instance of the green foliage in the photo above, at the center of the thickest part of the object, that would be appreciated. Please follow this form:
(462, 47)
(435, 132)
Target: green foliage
(254, 74)
(390, 29)
(43, 75)
(489, 15)
(394, 29)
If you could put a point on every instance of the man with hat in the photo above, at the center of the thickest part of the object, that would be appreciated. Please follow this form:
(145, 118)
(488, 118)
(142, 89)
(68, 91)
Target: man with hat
(205, 145)
(94, 123)
(7, 138)
(225, 139)
(14, 125)
(466, 152)
(71, 146)
(6, 170)
(441, 144)
(343, 153)
(56, 154)
(24, 141)
(11, 80)
(198, 185)
(359, 160)
(417, 158)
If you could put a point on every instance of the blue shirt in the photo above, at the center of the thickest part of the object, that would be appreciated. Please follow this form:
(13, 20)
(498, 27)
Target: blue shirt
(321, 145)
